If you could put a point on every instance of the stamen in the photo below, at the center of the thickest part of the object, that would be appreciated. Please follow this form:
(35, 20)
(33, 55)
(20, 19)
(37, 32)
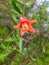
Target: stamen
(25, 27)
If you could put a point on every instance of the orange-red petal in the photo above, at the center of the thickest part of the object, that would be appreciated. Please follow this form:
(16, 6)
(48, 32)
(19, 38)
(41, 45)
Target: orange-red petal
(22, 32)
(23, 18)
(16, 26)
(32, 21)
(31, 29)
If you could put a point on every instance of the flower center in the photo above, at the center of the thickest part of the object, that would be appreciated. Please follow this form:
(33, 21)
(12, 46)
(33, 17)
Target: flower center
(24, 27)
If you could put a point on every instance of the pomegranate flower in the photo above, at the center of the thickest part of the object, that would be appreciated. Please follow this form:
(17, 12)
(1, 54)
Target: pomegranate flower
(25, 25)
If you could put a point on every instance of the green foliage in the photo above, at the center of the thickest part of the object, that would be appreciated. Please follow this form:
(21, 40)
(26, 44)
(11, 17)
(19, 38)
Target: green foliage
(39, 61)
(32, 48)
(47, 4)
(15, 6)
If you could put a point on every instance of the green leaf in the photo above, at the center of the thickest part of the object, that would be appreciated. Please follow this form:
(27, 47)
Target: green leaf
(46, 59)
(39, 61)
(2, 57)
(1, 31)
(47, 4)
(10, 40)
(15, 12)
(25, 52)
(13, 18)
(20, 45)
(1, 17)
(15, 7)
(20, 2)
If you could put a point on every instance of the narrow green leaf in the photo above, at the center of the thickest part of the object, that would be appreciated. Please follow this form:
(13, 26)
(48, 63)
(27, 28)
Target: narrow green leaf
(15, 7)
(20, 45)
(20, 2)
(13, 18)
(10, 40)
(15, 12)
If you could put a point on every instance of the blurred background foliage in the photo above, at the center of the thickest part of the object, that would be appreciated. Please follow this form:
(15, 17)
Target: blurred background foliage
(32, 48)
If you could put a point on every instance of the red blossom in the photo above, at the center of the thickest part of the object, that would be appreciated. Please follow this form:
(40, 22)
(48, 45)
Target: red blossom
(25, 25)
